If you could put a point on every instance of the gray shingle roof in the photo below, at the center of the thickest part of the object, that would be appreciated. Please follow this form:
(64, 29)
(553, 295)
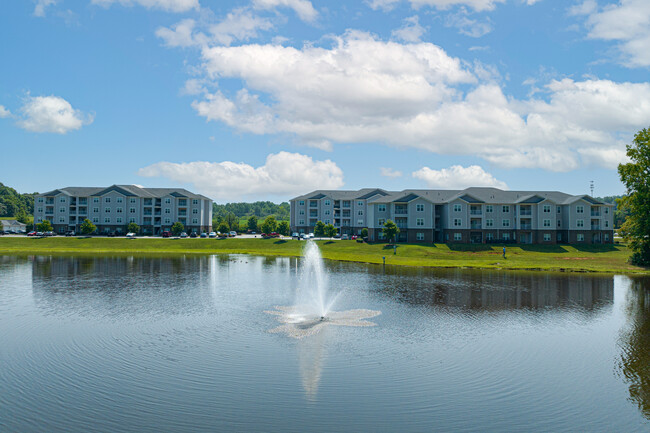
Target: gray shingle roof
(127, 190)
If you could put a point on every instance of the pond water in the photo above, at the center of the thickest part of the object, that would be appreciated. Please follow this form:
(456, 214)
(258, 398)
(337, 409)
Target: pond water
(184, 344)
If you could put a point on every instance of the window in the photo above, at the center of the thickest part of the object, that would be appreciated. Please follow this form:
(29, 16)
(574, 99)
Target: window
(327, 202)
(606, 223)
(182, 202)
(419, 236)
(119, 199)
(381, 208)
(107, 220)
(506, 236)
(606, 210)
(167, 210)
(458, 222)
(489, 223)
(195, 211)
(107, 200)
(301, 212)
(547, 223)
(61, 209)
(119, 210)
(381, 221)
(40, 199)
(606, 237)
(132, 200)
(167, 221)
(419, 207)
(581, 237)
(559, 223)
(346, 203)
(131, 220)
(62, 199)
(195, 220)
(95, 219)
(381, 235)
(61, 219)
(359, 203)
(131, 210)
(547, 208)
(195, 201)
(118, 220)
(580, 209)
(327, 222)
(327, 211)
(505, 208)
(301, 222)
(547, 237)
(419, 221)
(301, 202)
(488, 208)
(458, 208)
(360, 213)
(505, 223)
(458, 236)
(559, 209)
(489, 236)
(359, 222)
(580, 223)
(168, 200)
(40, 210)
(95, 199)
(95, 209)
(107, 209)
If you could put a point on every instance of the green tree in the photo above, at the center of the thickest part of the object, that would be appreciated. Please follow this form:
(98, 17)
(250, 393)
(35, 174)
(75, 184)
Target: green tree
(635, 175)
(283, 228)
(319, 229)
(223, 228)
(44, 226)
(364, 232)
(133, 228)
(177, 228)
(87, 227)
(22, 216)
(330, 231)
(390, 230)
(269, 225)
(252, 223)
(232, 221)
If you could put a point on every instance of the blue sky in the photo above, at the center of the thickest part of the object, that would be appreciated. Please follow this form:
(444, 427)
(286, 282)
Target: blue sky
(269, 99)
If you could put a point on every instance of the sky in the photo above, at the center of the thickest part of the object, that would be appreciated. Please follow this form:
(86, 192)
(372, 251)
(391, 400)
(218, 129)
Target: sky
(269, 99)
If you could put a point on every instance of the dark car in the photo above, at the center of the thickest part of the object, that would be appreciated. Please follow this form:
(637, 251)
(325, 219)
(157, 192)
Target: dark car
(193, 235)
(166, 234)
(70, 233)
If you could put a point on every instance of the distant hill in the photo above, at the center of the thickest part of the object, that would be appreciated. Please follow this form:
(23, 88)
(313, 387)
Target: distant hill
(260, 209)
(14, 204)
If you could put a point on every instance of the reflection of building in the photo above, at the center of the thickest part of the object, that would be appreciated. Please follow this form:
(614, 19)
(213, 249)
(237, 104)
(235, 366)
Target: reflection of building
(113, 208)
(473, 215)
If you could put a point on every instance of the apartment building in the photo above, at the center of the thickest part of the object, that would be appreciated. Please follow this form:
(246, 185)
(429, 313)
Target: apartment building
(473, 215)
(111, 209)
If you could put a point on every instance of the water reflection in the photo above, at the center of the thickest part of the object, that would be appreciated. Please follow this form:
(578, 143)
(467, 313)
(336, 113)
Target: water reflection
(635, 344)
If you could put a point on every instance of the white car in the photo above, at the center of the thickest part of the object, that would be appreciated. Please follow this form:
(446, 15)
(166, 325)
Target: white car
(311, 235)
(130, 235)
(213, 234)
(232, 234)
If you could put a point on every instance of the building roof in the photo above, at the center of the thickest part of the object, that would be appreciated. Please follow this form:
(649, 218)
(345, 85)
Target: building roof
(12, 223)
(126, 190)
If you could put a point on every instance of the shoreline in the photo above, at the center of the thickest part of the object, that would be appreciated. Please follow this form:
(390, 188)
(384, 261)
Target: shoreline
(608, 259)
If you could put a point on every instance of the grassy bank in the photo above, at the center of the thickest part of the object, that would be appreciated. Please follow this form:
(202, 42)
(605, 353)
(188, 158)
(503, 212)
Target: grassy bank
(585, 258)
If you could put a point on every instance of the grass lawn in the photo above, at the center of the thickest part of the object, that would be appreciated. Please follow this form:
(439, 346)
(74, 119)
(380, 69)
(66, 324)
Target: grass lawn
(577, 258)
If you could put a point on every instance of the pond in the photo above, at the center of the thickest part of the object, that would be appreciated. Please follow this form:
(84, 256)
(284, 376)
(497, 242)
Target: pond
(184, 344)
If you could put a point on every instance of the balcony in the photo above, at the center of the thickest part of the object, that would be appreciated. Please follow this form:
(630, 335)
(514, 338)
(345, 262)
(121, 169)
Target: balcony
(476, 226)
(313, 204)
(401, 212)
(147, 213)
(181, 213)
(475, 212)
(525, 212)
(595, 213)
(83, 201)
(49, 200)
(346, 214)
(147, 202)
(526, 227)
(595, 226)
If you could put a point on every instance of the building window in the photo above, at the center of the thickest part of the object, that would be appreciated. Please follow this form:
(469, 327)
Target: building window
(40, 210)
(118, 220)
(346, 203)
(581, 237)
(301, 212)
(61, 219)
(489, 236)
(182, 202)
(381, 221)
(107, 220)
(327, 202)
(61, 209)
(547, 223)
(360, 213)
(580, 209)
(95, 199)
(167, 210)
(119, 210)
(606, 223)
(301, 202)
(489, 222)
(419, 207)
(95, 209)
(559, 223)
(62, 199)
(559, 209)
(168, 200)
(195, 201)
(327, 222)
(131, 220)
(195, 220)
(167, 221)
(458, 208)
(488, 208)
(107, 209)
(580, 223)
(195, 211)
(359, 203)
(301, 222)
(419, 221)
(505, 223)
(547, 208)
(131, 210)
(132, 200)
(359, 222)
(506, 236)
(606, 210)
(458, 236)
(547, 237)
(119, 199)
(606, 237)
(95, 219)
(458, 222)
(381, 235)
(419, 236)
(381, 208)
(505, 208)
(40, 199)
(107, 200)
(327, 211)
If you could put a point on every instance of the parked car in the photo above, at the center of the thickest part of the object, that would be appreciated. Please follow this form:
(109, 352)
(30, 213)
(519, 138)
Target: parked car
(344, 237)
(130, 235)
(193, 235)
(32, 233)
(111, 234)
(354, 237)
(204, 235)
(295, 235)
(311, 235)
(213, 234)
(166, 234)
(50, 233)
(40, 234)
(183, 235)
(232, 234)
(70, 233)
(304, 236)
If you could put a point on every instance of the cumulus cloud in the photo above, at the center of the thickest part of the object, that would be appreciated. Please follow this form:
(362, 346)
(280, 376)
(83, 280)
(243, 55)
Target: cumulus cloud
(4, 112)
(303, 8)
(477, 5)
(389, 172)
(51, 114)
(41, 5)
(363, 89)
(467, 26)
(457, 177)
(411, 31)
(284, 174)
(627, 23)
(165, 5)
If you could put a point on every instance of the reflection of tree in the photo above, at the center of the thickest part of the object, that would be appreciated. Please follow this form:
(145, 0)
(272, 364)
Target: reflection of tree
(635, 357)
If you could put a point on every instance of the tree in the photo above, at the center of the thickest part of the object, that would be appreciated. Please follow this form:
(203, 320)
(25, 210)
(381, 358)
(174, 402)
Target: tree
(269, 225)
(133, 228)
(44, 226)
(223, 228)
(252, 223)
(87, 227)
(330, 231)
(319, 229)
(364, 232)
(177, 228)
(232, 221)
(635, 175)
(283, 228)
(390, 230)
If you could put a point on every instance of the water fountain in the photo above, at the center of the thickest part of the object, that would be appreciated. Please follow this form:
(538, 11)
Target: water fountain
(312, 309)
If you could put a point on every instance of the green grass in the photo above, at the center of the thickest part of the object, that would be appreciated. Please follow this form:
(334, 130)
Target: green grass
(585, 258)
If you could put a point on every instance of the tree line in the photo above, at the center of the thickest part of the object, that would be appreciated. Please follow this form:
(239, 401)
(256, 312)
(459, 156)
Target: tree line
(16, 205)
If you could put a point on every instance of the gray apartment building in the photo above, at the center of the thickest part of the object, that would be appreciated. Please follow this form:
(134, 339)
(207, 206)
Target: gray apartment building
(472, 215)
(112, 208)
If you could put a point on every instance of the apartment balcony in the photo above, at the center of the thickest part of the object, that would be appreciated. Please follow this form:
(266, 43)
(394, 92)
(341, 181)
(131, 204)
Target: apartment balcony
(313, 204)
(527, 227)
(525, 212)
(346, 204)
(50, 212)
(595, 226)
(476, 226)
(346, 223)
(402, 225)
(401, 212)
(476, 212)
(346, 214)
(83, 201)
(147, 202)
(337, 204)
(49, 201)
(595, 213)
(157, 212)
(181, 213)
(313, 214)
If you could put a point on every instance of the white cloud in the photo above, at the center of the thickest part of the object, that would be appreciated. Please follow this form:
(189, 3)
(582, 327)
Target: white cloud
(51, 114)
(180, 35)
(457, 177)
(303, 8)
(41, 5)
(4, 112)
(477, 5)
(627, 22)
(411, 31)
(389, 172)
(284, 174)
(467, 26)
(165, 5)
